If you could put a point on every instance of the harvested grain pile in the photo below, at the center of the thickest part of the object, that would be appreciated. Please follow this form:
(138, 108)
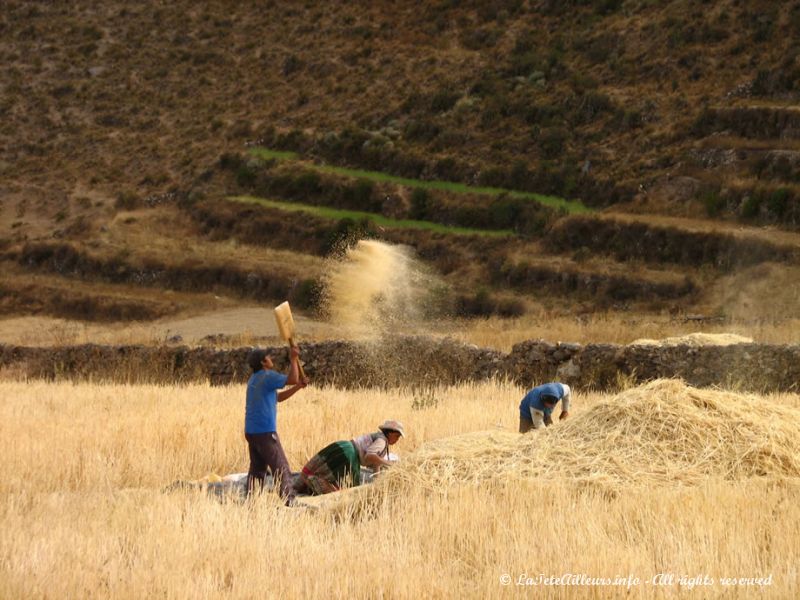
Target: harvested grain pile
(664, 433)
(696, 339)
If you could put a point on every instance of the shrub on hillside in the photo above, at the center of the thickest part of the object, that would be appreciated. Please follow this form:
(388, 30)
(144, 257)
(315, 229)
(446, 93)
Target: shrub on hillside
(763, 26)
(583, 83)
(780, 166)
(421, 130)
(295, 140)
(127, 200)
(784, 78)
(482, 304)
(450, 169)
(750, 206)
(346, 233)
(493, 177)
(504, 212)
(770, 205)
(607, 7)
(552, 142)
(291, 64)
(544, 115)
(586, 107)
(480, 38)
(714, 202)
(346, 144)
(713, 34)
(361, 195)
(627, 120)
(778, 203)
(497, 10)
(307, 184)
(466, 215)
(230, 161)
(307, 294)
(680, 32)
(420, 202)
(448, 139)
(405, 164)
(524, 62)
(704, 123)
(495, 108)
(488, 83)
(599, 48)
(560, 7)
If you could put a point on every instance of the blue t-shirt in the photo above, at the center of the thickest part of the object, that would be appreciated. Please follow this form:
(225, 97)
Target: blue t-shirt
(260, 413)
(533, 399)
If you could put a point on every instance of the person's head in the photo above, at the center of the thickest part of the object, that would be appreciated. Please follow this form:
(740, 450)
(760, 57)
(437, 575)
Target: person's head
(393, 430)
(549, 400)
(259, 359)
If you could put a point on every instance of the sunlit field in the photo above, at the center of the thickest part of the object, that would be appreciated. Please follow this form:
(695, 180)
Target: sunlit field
(610, 328)
(497, 333)
(85, 512)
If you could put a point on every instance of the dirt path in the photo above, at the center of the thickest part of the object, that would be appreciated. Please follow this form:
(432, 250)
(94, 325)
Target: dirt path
(245, 324)
(255, 322)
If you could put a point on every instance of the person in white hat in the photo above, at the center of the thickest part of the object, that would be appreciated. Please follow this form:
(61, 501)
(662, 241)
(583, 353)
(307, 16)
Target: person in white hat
(338, 464)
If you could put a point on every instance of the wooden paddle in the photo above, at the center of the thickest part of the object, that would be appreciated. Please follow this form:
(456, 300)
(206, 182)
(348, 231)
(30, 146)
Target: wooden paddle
(283, 317)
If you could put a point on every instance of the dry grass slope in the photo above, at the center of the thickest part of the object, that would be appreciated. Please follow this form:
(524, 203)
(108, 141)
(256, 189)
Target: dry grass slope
(598, 100)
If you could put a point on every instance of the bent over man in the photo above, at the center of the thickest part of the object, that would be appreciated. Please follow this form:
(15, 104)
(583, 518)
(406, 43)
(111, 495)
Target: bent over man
(536, 408)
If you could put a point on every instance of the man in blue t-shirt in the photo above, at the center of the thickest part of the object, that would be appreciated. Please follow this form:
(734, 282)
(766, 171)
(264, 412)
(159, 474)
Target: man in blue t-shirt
(260, 419)
(536, 408)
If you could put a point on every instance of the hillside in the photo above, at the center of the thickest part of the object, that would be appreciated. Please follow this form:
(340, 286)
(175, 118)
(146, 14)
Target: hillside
(131, 133)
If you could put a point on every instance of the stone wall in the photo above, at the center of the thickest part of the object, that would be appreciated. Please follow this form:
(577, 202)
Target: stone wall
(753, 367)
(419, 361)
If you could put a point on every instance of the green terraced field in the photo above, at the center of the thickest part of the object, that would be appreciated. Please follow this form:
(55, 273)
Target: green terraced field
(336, 214)
(571, 206)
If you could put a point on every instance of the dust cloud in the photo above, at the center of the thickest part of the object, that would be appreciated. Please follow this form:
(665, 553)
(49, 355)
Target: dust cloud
(378, 288)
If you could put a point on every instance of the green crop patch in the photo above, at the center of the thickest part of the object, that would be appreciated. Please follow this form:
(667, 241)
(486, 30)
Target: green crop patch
(325, 212)
(571, 206)
(268, 154)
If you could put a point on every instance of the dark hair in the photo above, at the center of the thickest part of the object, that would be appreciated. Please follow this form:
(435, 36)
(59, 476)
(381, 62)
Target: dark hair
(549, 399)
(255, 358)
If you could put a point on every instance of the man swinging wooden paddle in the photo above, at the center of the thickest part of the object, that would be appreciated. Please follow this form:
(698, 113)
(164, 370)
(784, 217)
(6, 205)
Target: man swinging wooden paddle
(260, 420)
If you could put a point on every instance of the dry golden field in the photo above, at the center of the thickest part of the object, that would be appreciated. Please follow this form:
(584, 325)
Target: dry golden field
(84, 512)
(249, 325)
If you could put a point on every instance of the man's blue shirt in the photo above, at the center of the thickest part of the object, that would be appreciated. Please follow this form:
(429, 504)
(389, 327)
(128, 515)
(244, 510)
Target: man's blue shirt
(533, 399)
(260, 414)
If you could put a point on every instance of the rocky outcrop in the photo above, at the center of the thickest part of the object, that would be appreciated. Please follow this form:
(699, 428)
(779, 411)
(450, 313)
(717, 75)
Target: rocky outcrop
(420, 361)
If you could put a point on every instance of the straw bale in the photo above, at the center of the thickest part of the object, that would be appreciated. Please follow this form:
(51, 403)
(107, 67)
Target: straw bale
(664, 433)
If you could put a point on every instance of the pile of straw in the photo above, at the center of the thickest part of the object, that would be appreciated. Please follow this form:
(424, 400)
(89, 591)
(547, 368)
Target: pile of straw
(664, 433)
(696, 339)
